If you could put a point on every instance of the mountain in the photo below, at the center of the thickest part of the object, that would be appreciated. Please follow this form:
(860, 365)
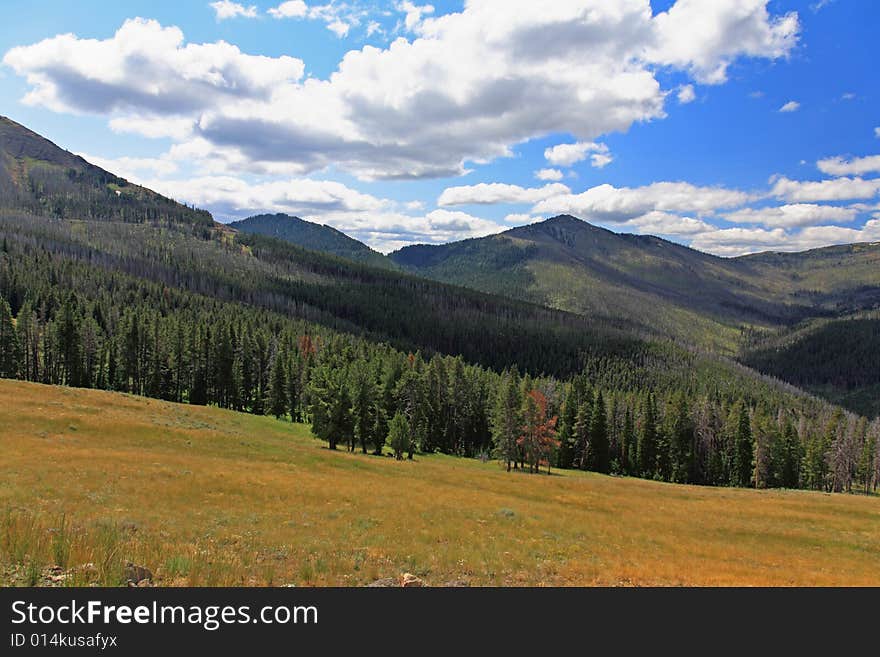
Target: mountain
(737, 306)
(312, 236)
(666, 288)
(38, 177)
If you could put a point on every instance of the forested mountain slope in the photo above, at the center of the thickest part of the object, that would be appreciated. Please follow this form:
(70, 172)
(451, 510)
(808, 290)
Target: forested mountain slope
(668, 288)
(312, 236)
(38, 177)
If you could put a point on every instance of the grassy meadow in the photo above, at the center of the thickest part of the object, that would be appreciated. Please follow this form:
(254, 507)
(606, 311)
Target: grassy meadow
(91, 480)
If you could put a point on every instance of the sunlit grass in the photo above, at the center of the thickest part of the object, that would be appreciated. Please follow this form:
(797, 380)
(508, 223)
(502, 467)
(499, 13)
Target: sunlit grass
(90, 480)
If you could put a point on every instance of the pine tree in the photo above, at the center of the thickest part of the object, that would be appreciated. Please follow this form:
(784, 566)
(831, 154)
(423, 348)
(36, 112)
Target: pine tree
(9, 344)
(647, 446)
(581, 435)
(567, 419)
(507, 419)
(743, 448)
(399, 435)
(599, 447)
(277, 402)
(680, 438)
(628, 446)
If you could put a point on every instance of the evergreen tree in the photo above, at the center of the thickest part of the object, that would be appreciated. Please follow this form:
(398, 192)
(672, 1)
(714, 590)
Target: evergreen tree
(647, 445)
(399, 435)
(680, 438)
(9, 345)
(507, 419)
(743, 448)
(277, 402)
(599, 448)
(628, 451)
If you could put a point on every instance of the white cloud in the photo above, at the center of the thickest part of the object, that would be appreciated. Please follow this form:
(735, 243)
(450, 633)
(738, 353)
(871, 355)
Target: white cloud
(153, 127)
(788, 216)
(235, 197)
(145, 70)
(226, 9)
(686, 94)
(290, 9)
(133, 169)
(338, 17)
(790, 106)
(568, 154)
(738, 241)
(472, 85)
(549, 174)
(664, 223)
(493, 193)
(877, 132)
(522, 219)
(414, 13)
(838, 166)
(339, 27)
(837, 189)
(705, 37)
(606, 203)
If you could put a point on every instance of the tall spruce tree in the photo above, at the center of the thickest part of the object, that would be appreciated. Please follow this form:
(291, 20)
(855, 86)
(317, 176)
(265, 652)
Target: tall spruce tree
(9, 345)
(647, 445)
(599, 445)
(743, 447)
(507, 419)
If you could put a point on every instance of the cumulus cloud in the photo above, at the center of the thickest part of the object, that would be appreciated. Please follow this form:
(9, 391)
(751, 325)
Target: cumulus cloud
(290, 9)
(229, 196)
(790, 106)
(787, 216)
(737, 241)
(705, 37)
(413, 13)
(838, 166)
(492, 193)
(469, 86)
(338, 17)
(665, 223)
(549, 174)
(606, 203)
(836, 189)
(146, 70)
(568, 154)
(133, 169)
(686, 94)
(520, 219)
(226, 9)
(877, 132)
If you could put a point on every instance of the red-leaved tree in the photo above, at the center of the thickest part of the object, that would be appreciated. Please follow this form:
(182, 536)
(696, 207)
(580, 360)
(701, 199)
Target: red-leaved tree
(538, 439)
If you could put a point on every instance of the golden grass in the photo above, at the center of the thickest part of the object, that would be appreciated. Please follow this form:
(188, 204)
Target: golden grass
(209, 497)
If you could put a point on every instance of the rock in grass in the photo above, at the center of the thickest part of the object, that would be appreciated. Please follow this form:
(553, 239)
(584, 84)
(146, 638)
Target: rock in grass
(408, 579)
(383, 583)
(135, 574)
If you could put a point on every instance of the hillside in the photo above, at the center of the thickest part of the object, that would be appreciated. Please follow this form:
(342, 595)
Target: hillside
(312, 236)
(38, 177)
(662, 288)
(202, 496)
(835, 358)
(567, 263)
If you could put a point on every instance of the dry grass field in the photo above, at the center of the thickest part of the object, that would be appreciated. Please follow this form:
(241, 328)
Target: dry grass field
(91, 480)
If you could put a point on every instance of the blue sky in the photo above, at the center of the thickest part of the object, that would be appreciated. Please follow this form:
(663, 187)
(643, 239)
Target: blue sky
(730, 125)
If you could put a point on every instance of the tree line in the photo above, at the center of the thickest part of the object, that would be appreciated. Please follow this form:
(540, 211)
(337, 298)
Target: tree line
(363, 396)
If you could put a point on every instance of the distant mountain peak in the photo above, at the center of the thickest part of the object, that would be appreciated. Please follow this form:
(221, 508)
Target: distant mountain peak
(312, 236)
